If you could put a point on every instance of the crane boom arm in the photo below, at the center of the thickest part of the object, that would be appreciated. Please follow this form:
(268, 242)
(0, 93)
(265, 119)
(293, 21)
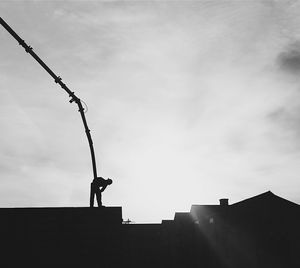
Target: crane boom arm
(58, 80)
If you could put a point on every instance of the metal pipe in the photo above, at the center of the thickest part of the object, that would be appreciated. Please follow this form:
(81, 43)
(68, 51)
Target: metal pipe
(57, 79)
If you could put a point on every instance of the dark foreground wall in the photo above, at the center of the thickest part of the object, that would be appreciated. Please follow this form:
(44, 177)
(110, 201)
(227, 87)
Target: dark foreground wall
(61, 237)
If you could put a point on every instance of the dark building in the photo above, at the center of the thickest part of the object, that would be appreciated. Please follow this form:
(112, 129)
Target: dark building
(262, 231)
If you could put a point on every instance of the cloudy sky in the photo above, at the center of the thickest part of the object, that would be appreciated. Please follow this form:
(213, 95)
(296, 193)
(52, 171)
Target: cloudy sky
(188, 102)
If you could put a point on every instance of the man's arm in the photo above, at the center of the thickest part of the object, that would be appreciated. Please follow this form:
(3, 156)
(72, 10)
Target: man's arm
(103, 188)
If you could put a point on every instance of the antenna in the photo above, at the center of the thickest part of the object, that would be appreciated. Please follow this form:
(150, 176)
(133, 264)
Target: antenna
(58, 80)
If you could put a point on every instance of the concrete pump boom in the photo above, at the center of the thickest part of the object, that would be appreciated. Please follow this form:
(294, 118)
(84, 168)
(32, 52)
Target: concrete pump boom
(58, 80)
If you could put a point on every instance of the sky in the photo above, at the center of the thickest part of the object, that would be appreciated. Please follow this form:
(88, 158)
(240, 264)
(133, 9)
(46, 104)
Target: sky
(188, 102)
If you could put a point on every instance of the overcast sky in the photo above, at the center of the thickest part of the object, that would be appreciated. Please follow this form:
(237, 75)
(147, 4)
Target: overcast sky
(188, 102)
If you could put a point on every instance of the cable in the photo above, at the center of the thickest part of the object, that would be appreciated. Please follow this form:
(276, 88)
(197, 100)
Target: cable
(86, 107)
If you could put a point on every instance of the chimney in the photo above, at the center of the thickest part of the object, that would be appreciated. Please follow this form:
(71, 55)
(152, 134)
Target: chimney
(223, 201)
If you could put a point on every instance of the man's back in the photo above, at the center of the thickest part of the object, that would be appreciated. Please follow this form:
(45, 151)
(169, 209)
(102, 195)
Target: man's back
(99, 182)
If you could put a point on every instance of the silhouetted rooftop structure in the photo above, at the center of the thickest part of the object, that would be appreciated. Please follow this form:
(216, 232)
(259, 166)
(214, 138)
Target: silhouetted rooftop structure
(258, 232)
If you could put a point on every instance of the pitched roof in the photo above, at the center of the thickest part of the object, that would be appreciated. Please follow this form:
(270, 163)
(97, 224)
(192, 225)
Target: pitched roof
(266, 197)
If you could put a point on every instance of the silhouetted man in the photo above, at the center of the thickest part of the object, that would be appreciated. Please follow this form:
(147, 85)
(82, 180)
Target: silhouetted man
(97, 187)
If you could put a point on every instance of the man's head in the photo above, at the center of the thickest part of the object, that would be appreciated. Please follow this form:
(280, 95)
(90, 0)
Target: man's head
(109, 181)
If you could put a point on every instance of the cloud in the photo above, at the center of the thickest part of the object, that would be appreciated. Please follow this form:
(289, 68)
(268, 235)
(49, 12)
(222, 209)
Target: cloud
(289, 60)
(285, 123)
(283, 119)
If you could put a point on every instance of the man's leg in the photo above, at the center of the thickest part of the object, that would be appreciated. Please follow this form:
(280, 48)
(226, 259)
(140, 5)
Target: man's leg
(92, 196)
(99, 197)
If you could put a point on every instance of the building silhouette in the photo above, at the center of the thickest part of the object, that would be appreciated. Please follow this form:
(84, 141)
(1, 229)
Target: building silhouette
(262, 231)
